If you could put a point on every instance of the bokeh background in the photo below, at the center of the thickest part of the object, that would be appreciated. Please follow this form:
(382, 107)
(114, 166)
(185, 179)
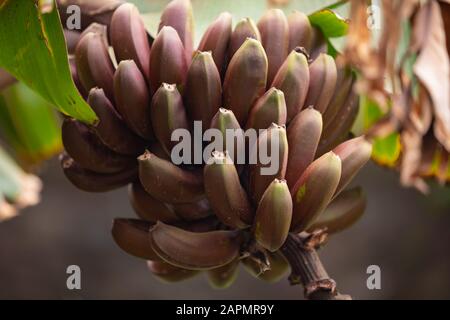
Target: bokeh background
(403, 232)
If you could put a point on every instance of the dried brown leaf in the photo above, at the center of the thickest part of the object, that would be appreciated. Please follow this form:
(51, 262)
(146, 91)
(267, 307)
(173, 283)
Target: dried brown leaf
(433, 67)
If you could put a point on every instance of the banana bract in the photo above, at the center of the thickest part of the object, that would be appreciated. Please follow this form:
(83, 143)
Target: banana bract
(270, 81)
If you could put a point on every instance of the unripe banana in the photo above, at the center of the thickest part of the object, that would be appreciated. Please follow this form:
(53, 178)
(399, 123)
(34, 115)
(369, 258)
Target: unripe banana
(203, 90)
(340, 127)
(110, 129)
(323, 77)
(342, 212)
(274, 30)
(259, 178)
(273, 216)
(167, 115)
(72, 37)
(86, 149)
(354, 155)
(94, 65)
(102, 31)
(132, 97)
(193, 211)
(168, 273)
(270, 108)
(345, 80)
(314, 190)
(131, 235)
(178, 15)
(278, 267)
(225, 120)
(168, 61)
(223, 277)
(96, 182)
(195, 251)
(217, 38)
(158, 150)
(223, 189)
(129, 37)
(75, 77)
(167, 182)
(293, 79)
(149, 208)
(98, 11)
(303, 135)
(97, 28)
(245, 79)
(300, 31)
(319, 44)
(246, 28)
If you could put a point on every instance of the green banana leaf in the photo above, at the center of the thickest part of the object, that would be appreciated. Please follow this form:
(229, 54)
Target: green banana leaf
(34, 51)
(29, 124)
(331, 24)
(386, 150)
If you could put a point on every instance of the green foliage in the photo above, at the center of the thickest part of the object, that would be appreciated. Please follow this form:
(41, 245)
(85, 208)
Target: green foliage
(386, 150)
(29, 124)
(34, 51)
(331, 24)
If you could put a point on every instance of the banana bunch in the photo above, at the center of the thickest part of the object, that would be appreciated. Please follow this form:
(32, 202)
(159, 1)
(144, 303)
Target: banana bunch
(272, 76)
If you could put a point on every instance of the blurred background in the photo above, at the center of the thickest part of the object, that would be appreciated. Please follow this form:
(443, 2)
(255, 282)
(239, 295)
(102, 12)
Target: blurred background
(403, 232)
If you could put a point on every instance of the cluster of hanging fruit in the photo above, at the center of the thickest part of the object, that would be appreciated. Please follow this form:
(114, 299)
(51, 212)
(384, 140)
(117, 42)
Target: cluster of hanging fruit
(272, 76)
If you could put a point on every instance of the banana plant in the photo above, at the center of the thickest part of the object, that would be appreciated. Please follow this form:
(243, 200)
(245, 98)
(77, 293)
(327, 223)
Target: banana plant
(210, 216)
(280, 73)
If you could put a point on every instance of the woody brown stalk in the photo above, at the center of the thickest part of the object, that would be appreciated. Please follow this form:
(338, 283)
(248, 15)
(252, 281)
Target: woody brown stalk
(306, 267)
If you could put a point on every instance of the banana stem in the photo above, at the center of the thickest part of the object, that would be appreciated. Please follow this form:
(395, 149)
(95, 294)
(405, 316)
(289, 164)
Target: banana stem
(307, 269)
